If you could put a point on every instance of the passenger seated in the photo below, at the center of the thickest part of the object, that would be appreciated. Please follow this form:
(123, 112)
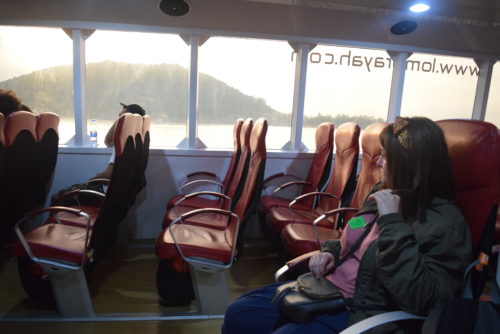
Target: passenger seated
(10, 102)
(108, 140)
(106, 174)
(413, 258)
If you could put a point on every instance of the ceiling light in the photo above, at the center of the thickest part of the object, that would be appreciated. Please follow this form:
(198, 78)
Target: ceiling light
(419, 7)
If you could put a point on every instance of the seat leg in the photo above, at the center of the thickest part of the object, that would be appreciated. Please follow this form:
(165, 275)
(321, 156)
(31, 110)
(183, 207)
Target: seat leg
(210, 289)
(71, 293)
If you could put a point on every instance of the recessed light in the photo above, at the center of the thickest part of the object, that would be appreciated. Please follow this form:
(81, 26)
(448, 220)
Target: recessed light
(419, 8)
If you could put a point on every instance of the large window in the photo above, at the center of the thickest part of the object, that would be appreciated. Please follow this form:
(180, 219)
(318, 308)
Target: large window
(42, 76)
(242, 78)
(138, 68)
(439, 87)
(345, 84)
(493, 107)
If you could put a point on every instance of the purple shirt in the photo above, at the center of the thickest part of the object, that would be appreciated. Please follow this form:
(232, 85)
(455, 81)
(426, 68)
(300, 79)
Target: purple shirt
(345, 275)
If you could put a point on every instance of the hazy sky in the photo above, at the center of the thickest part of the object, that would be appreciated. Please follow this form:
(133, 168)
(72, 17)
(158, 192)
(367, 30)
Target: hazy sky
(340, 80)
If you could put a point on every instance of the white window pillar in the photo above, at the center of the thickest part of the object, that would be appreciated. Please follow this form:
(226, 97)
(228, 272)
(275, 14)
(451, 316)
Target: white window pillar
(191, 141)
(397, 83)
(299, 90)
(79, 78)
(482, 88)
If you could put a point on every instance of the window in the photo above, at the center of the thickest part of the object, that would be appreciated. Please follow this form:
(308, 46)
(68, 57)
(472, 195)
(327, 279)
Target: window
(241, 78)
(439, 87)
(138, 68)
(42, 76)
(493, 107)
(345, 84)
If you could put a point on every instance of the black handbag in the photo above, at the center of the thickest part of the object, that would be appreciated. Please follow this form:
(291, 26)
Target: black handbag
(301, 301)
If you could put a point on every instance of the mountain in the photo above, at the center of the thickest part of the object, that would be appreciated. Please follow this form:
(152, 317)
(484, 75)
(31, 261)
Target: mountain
(160, 89)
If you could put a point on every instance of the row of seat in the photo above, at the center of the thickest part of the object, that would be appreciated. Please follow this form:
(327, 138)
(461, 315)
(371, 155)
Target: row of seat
(72, 238)
(28, 156)
(292, 225)
(206, 233)
(474, 149)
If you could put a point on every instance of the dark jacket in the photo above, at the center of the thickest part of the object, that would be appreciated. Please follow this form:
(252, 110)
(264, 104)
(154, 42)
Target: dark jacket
(412, 266)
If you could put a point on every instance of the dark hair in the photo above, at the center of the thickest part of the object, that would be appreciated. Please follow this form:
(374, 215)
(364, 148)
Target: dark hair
(418, 164)
(9, 102)
(134, 109)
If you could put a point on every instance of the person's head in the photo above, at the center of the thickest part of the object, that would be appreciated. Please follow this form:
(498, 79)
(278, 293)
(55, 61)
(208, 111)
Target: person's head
(9, 102)
(415, 163)
(133, 109)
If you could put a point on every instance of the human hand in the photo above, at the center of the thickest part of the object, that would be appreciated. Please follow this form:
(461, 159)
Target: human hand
(387, 201)
(321, 263)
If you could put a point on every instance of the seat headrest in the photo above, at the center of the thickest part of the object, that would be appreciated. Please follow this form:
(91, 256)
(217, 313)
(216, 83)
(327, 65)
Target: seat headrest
(17, 122)
(46, 121)
(347, 137)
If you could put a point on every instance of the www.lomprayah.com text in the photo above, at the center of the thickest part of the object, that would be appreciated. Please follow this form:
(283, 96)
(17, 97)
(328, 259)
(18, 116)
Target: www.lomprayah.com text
(369, 63)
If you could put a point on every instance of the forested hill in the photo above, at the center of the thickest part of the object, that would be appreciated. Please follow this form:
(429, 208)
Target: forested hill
(161, 89)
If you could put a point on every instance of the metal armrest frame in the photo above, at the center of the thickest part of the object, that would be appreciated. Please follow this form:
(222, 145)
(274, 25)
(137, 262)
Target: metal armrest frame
(314, 193)
(226, 199)
(221, 186)
(49, 262)
(74, 193)
(205, 262)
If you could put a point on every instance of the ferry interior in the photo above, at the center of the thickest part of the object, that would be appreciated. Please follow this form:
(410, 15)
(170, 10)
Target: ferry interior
(261, 126)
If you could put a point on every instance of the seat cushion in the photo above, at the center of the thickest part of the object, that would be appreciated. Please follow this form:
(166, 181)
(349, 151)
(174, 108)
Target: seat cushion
(196, 241)
(298, 239)
(55, 241)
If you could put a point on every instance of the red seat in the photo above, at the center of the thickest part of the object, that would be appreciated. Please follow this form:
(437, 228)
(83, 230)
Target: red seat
(316, 178)
(2, 145)
(298, 239)
(47, 137)
(194, 233)
(339, 186)
(241, 134)
(474, 148)
(19, 171)
(226, 200)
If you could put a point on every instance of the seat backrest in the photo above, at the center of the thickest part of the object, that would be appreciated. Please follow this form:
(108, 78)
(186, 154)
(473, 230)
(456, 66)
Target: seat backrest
(321, 163)
(235, 156)
(19, 170)
(121, 186)
(370, 173)
(474, 148)
(345, 165)
(47, 136)
(235, 187)
(2, 145)
(252, 188)
(144, 152)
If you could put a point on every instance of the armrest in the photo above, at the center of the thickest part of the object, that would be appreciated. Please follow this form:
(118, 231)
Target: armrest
(293, 263)
(198, 261)
(33, 256)
(227, 199)
(201, 173)
(276, 176)
(314, 193)
(80, 191)
(289, 184)
(189, 184)
(100, 181)
(378, 320)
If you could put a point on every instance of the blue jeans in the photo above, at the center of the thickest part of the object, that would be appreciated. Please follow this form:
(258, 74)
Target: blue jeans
(253, 314)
